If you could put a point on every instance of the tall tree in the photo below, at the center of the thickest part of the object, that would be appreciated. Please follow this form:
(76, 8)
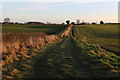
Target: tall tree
(101, 22)
(68, 21)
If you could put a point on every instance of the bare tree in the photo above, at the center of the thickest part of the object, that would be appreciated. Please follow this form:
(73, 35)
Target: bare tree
(78, 21)
(48, 23)
(7, 20)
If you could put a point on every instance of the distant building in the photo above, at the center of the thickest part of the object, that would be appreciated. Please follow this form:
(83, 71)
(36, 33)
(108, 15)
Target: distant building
(35, 23)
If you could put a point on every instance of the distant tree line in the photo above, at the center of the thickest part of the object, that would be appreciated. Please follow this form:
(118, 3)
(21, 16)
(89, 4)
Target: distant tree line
(7, 21)
(86, 23)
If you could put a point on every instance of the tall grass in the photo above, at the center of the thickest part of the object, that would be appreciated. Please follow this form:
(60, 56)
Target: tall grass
(18, 47)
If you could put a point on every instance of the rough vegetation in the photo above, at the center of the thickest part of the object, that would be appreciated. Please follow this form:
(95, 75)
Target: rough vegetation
(17, 47)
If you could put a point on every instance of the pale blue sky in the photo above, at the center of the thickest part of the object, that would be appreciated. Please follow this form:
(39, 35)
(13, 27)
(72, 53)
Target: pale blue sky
(59, 12)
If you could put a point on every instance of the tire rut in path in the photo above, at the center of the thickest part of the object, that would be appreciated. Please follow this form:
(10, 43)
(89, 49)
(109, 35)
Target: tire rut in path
(73, 50)
(59, 61)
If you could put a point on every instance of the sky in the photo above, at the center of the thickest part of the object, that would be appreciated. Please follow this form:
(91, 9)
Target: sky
(58, 11)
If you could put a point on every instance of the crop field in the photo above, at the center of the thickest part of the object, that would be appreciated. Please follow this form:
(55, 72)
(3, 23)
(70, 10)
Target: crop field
(34, 56)
(104, 35)
(26, 28)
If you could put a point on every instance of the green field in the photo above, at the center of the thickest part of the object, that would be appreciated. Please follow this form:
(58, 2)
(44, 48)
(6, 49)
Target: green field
(105, 35)
(66, 57)
(16, 28)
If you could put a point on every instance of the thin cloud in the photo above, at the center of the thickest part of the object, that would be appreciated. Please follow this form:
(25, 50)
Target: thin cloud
(32, 9)
(24, 7)
(59, 1)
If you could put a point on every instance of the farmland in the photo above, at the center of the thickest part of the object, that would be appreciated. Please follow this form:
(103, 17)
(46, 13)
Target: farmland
(105, 35)
(59, 39)
(26, 28)
(65, 56)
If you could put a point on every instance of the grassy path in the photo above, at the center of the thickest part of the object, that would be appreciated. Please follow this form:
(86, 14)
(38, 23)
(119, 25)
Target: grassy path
(60, 61)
